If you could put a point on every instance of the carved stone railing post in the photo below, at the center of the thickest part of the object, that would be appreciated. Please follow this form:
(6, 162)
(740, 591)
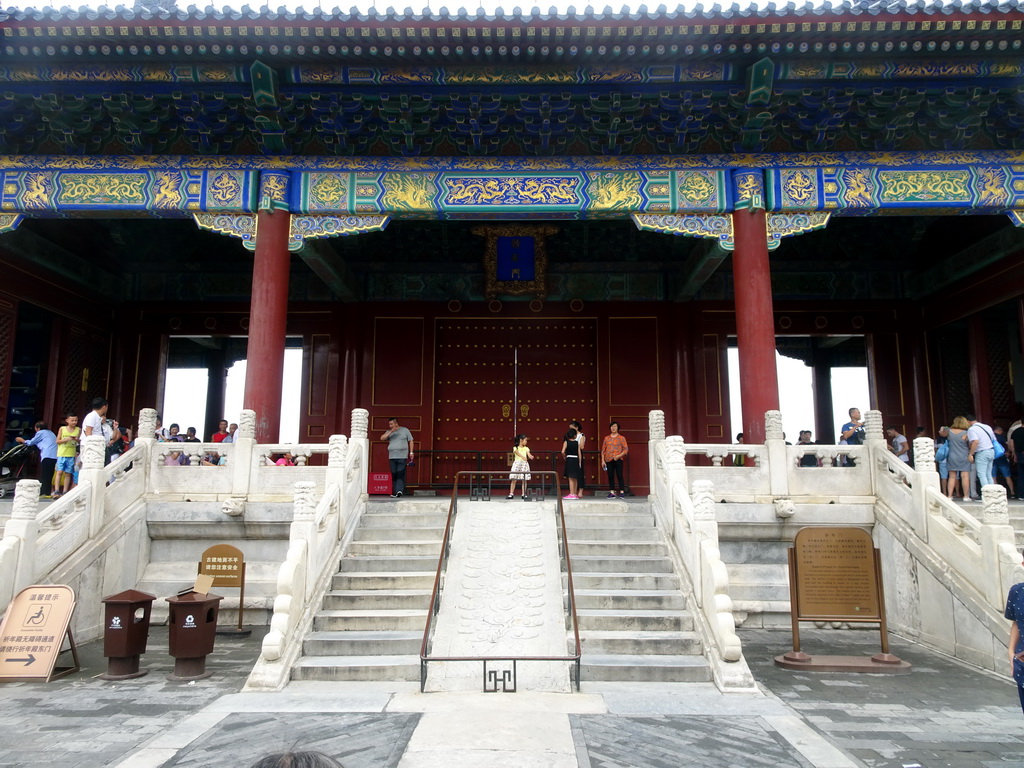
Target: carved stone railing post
(95, 475)
(360, 423)
(304, 527)
(23, 525)
(241, 461)
(873, 427)
(775, 445)
(336, 455)
(656, 425)
(925, 477)
(997, 535)
(359, 440)
(656, 433)
(147, 424)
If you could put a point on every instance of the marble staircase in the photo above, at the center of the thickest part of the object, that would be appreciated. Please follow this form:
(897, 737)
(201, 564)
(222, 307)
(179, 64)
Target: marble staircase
(179, 532)
(634, 621)
(370, 625)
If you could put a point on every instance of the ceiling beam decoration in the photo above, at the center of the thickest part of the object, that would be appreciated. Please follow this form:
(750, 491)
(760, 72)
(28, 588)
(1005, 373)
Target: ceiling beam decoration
(326, 264)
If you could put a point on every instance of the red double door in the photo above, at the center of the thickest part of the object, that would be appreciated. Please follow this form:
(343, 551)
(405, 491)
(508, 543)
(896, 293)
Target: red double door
(495, 379)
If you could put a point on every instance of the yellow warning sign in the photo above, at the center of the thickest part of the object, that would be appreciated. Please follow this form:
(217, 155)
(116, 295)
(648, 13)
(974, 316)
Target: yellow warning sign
(33, 632)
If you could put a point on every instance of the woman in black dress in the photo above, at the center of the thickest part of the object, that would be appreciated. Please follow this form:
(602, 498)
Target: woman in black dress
(573, 471)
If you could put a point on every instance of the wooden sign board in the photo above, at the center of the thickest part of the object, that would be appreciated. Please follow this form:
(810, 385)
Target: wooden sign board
(33, 631)
(835, 575)
(225, 564)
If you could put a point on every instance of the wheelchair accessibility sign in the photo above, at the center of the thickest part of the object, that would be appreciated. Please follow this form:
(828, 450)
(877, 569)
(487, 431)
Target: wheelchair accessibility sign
(33, 632)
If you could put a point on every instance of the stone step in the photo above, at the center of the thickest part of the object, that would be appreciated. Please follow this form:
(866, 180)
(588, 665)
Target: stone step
(384, 580)
(406, 533)
(167, 578)
(596, 563)
(584, 580)
(402, 520)
(408, 505)
(361, 620)
(651, 600)
(635, 620)
(644, 669)
(395, 548)
(650, 642)
(373, 599)
(611, 533)
(620, 548)
(361, 668)
(382, 563)
(611, 519)
(366, 643)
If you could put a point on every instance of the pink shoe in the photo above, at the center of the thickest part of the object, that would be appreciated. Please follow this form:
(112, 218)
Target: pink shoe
(570, 496)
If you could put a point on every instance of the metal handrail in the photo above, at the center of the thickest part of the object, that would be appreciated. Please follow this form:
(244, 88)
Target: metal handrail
(420, 474)
(442, 559)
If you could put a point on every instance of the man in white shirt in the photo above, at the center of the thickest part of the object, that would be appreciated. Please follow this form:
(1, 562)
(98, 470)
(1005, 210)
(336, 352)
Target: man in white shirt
(981, 450)
(898, 444)
(95, 424)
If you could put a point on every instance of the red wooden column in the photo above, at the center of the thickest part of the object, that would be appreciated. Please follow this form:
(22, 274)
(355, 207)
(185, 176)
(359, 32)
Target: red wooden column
(268, 312)
(755, 323)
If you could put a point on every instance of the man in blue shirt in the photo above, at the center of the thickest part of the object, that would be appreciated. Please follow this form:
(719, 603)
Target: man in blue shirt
(46, 442)
(852, 433)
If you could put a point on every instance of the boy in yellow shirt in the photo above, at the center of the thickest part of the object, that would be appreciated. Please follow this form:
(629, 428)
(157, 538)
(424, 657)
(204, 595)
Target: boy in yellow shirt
(67, 448)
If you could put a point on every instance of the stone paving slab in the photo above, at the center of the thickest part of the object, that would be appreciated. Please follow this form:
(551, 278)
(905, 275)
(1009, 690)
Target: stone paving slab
(944, 713)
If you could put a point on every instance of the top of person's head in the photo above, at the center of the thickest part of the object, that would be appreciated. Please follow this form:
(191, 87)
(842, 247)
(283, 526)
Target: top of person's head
(519, 437)
(892, 428)
(571, 434)
(613, 424)
(392, 419)
(970, 417)
(739, 436)
(98, 402)
(855, 408)
(960, 422)
(190, 431)
(575, 425)
(297, 760)
(40, 425)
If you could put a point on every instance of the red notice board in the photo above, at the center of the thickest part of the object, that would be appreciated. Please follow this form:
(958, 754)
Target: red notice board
(379, 484)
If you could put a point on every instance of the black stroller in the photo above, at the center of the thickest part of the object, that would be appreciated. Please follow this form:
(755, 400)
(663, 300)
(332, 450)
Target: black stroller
(12, 467)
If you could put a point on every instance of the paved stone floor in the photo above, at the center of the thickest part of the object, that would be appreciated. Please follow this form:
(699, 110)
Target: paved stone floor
(942, 714)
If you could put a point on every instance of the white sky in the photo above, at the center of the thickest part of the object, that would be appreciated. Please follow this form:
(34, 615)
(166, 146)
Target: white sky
(185, 398)
(796, 397)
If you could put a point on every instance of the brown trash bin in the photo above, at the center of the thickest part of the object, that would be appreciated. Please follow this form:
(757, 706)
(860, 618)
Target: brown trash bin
(192, 631)
(125, 633)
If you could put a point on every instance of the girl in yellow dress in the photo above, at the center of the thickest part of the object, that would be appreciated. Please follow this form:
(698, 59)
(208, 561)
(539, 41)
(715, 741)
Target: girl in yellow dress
(520, 466)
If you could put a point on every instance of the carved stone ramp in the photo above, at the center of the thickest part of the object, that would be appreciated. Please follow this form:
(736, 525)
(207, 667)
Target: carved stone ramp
(502, 596)
(635, 624)
(371, 623)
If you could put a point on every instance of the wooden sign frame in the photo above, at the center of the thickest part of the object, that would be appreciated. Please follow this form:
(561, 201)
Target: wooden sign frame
(835, 574)
(225, 564)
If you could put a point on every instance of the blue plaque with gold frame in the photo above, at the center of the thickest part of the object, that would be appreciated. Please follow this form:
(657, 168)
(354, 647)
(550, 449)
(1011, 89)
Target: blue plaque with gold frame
(515, 259)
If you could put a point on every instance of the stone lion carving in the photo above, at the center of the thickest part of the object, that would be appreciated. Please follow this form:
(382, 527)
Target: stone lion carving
(656, 424)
